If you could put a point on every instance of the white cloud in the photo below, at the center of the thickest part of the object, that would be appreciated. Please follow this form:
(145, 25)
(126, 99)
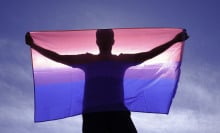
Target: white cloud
(17, 96)
(178, 121)
(195, 107)
(198, 88)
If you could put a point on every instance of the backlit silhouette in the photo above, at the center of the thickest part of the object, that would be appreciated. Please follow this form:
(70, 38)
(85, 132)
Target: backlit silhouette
(104, 81)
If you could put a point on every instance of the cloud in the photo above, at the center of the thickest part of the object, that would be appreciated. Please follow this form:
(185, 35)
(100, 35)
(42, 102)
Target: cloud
(177, 122)
(195, 107)
(17, 95)
(198, 88)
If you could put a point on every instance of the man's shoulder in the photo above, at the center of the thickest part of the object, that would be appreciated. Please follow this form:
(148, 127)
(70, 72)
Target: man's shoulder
(126, 56)
(87, 55)
(129, 58)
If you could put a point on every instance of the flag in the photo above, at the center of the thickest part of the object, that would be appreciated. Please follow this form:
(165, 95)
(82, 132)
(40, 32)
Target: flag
(148, 87)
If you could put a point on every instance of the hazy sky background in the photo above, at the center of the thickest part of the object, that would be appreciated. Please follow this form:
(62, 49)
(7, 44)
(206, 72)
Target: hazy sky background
(196, 106)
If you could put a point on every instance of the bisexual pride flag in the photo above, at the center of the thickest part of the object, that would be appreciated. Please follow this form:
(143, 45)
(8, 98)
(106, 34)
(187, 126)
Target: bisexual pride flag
(149, 87)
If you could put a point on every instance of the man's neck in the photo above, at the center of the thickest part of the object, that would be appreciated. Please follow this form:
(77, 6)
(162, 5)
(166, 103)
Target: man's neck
(105, 53)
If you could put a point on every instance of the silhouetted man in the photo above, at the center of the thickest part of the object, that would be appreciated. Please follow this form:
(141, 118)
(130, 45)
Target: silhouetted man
(103, 106)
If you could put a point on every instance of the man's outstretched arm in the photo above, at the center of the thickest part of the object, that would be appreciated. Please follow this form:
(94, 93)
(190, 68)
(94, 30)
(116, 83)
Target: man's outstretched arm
(64, 59)
(141, 57)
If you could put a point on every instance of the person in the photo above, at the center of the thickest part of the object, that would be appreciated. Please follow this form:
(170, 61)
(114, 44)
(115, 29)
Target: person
(103, 104)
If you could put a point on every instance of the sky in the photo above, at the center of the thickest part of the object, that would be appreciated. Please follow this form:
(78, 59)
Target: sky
(195, 108)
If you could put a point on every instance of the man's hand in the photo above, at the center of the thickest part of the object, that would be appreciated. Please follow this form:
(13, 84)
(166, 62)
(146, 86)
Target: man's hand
(182, 36)
(28, 39)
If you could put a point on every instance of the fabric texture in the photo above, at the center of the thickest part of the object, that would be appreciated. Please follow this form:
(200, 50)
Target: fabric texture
(148, 87)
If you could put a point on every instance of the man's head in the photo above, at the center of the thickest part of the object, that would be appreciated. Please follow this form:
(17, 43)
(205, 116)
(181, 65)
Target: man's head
(105, 39)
